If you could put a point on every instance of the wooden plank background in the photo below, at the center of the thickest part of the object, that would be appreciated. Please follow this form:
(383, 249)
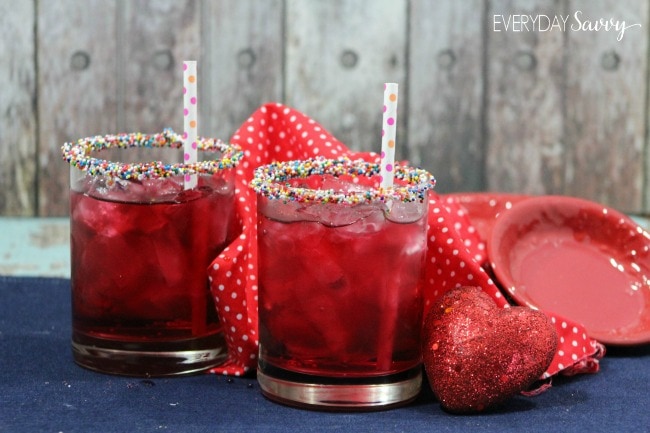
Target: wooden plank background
(539, 112)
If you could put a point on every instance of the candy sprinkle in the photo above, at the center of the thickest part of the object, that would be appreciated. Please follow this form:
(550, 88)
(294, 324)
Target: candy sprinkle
(272, 181)
(77, 154)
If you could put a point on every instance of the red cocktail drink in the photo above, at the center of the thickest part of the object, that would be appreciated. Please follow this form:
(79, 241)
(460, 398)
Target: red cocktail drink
(340, 284)
(140, 248)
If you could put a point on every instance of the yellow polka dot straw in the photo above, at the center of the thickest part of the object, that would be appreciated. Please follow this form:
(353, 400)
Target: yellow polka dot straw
(190, 119)
(388, 134)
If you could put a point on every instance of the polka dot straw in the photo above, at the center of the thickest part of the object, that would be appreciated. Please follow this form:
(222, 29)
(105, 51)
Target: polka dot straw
(388, 134)
(190, 119)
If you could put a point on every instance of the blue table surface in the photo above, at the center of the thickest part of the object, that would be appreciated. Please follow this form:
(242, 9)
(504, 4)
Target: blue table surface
(42, 390)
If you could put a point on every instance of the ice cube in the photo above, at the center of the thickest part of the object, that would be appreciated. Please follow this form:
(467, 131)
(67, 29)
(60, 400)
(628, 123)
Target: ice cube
(405, 212)
(320, 267)
(372, 223)
(280, 210)
(103, 265)
(108, 188)
(171, 260)
(345, 185)
(221, 183)
(160, 190)
(323, 313)
(96, 216)
(337, 215)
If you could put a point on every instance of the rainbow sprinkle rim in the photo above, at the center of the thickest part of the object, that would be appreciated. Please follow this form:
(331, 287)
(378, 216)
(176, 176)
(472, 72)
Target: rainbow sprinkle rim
(271, 181)
(77, 154)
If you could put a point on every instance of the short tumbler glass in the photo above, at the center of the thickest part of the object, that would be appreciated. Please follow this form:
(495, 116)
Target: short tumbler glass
(141, 243)
(341, 265)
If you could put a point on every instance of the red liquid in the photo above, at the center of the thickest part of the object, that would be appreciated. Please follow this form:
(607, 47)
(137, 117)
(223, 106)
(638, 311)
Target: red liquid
(341, 301)
(139, 268)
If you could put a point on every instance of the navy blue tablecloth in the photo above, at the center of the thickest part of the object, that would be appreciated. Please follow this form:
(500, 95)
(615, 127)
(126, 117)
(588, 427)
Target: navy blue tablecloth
(42, 390)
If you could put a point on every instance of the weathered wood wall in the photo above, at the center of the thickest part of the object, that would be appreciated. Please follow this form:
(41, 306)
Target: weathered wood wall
(562, 112)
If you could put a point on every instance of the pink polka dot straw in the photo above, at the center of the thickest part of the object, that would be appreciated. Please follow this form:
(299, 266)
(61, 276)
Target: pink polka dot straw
(388, 135)
(190, 119)
(456, 251)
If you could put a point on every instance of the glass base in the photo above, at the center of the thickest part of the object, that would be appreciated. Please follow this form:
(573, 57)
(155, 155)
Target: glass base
(350, 394)
(152, 359)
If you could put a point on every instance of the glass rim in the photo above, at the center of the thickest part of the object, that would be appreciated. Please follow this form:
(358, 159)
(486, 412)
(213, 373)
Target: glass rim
(78, 154)
(271, 181)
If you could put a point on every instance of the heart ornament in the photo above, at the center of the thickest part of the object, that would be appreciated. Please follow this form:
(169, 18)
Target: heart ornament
(477, 355)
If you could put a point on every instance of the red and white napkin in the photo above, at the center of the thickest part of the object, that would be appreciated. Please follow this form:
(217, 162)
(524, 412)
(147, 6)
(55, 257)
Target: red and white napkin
(456, 251)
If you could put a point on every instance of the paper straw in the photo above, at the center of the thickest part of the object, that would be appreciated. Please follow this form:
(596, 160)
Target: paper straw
(190, 140)
(386, 341)
(388, 134)
(190, 119)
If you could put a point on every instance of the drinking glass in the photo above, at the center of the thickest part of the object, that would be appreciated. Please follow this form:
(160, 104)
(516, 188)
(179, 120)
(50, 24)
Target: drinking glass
(341, 266)
(141, 243)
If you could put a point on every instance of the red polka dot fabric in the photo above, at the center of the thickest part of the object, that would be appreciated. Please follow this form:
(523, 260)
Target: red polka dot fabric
(456, 251)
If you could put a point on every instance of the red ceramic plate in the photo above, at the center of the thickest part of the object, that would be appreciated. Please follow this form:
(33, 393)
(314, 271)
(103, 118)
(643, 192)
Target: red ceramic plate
(578, 259)
(483, 207)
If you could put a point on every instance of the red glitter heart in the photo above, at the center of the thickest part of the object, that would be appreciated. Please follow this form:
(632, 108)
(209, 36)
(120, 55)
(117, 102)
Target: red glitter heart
(477, 355)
